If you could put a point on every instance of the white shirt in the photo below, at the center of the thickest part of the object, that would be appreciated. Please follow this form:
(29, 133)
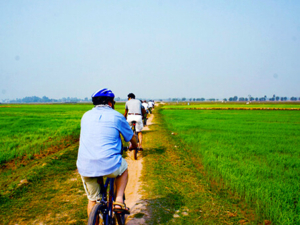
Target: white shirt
(145, 105)
(151, 104)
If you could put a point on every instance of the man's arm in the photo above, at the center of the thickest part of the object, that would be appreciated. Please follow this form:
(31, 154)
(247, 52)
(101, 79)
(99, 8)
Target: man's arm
(125, 114)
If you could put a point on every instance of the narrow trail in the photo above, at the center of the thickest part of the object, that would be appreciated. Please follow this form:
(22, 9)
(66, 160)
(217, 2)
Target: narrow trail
(133, 190)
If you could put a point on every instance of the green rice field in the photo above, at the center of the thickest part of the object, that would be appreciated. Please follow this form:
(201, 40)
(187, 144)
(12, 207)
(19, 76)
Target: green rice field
(233, 105)
(255, 153)
(27, 130)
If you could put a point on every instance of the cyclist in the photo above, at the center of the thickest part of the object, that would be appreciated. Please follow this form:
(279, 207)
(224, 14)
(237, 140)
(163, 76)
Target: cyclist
(153, 104)
(134, 111)
(145, 104)
(150, 106)
(100, 146)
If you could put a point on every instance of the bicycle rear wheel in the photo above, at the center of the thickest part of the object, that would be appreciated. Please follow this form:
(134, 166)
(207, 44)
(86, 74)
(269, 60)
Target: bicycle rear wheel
(135, 151)
(96, 216)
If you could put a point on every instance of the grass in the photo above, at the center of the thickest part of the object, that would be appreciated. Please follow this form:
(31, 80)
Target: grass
(177, 189)
(250, 158)
(233, 105)
(27, 130)
(51, 193)
(38, 178)
(255, 153)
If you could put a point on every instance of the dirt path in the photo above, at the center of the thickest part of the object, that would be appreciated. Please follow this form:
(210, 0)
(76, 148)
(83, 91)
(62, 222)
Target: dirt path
(133, 190)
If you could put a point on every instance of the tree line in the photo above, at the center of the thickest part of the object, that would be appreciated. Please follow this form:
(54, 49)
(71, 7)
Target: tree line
(45, 99)
(236, 98)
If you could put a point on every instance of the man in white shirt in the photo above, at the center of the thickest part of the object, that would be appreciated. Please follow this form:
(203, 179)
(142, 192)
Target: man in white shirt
(150, 106)
(145, 104)
(135, 112)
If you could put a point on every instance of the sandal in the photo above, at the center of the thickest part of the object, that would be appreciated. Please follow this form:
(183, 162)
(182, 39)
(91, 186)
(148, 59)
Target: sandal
(123, 208)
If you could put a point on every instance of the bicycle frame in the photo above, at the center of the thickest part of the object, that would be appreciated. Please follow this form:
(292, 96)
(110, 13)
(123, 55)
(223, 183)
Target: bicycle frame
(103, 210)
(133, 125)
(107, 211)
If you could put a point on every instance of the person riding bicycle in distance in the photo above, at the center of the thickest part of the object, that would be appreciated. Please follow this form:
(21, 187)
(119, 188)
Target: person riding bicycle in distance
(100, 148)
(135, 112)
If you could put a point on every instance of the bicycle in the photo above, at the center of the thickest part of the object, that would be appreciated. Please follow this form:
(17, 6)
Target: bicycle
(102, 213)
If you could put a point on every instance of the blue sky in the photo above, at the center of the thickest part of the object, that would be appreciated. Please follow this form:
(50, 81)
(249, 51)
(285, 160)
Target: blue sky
(155, 49)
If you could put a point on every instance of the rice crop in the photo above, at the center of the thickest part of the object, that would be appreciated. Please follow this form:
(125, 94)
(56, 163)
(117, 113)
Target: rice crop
(234, 105)
(27, 130)
(254, 153)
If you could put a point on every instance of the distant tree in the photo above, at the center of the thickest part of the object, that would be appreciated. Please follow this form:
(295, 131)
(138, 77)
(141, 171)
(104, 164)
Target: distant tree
(183, 99)
(45, 99)
(235, 98)
(293, 99)
(277, 98)
(225, 99)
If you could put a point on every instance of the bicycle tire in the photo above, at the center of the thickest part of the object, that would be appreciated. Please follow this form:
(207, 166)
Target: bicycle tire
(135, 151)
(94, 218)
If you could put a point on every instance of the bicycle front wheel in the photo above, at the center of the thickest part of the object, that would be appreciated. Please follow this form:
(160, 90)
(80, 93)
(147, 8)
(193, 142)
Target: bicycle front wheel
(96, 216)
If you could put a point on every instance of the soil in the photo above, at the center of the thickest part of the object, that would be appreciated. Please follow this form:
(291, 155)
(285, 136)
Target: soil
(134, 187)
